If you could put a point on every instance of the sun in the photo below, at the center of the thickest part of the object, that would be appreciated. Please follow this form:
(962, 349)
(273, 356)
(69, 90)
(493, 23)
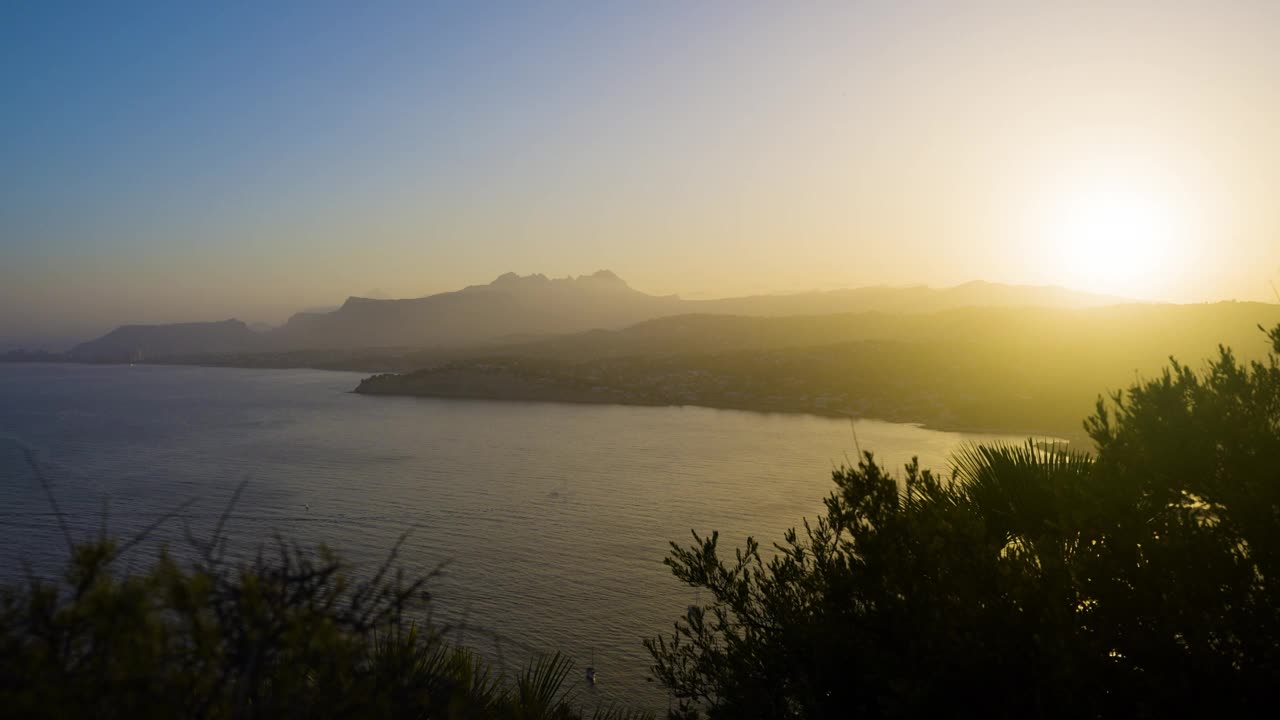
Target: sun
(1112, 237)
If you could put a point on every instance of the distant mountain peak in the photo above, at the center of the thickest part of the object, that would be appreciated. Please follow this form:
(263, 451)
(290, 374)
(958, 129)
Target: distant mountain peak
(351, 301)
(604, 277)
(597, 279)
(513, 280)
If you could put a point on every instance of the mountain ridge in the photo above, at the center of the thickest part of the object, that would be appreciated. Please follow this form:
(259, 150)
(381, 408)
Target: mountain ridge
(536, 304)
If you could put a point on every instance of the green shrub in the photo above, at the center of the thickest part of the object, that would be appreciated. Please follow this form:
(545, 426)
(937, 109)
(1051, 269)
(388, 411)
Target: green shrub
(1031, 582)
(288, 635)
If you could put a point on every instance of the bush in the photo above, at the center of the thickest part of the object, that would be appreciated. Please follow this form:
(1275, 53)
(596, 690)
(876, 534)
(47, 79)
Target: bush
(288, 635)
(1031, 581)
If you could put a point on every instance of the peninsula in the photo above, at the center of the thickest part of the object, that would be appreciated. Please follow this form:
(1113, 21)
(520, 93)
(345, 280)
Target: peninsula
(1026, 370)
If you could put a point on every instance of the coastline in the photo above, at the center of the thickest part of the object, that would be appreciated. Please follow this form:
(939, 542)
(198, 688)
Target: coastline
(515, 390)
(449, 384)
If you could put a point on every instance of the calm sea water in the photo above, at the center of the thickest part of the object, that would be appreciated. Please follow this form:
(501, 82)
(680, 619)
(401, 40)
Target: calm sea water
(554, 518)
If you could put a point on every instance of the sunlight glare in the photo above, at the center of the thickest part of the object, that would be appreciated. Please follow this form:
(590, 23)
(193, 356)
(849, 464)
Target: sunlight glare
(1113, 238)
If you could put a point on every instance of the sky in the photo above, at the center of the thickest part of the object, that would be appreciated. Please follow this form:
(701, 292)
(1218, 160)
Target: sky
(180, 161)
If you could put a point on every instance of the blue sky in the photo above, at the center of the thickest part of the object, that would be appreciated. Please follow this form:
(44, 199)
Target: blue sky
(237, 108)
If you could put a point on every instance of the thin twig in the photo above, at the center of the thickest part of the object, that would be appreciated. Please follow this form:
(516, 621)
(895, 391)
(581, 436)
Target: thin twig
(853, 427)
(222, 521)
(146, 531)
(48, 494)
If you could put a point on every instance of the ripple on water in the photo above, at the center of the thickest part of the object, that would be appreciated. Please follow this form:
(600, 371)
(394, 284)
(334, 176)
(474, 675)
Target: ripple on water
(554, 518)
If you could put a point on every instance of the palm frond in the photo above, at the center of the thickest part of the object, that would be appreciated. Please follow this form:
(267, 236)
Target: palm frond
(1020, 487)
(615, 713)
(540, 687)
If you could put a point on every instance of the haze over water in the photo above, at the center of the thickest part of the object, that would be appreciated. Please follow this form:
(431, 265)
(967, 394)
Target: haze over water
(554, 518)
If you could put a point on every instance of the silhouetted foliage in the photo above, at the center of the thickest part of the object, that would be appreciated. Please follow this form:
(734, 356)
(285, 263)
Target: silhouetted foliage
(291, 634)
(1031, 582)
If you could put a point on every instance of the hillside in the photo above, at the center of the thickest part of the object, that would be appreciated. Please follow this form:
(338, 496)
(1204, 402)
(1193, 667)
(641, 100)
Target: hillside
(904, 300)
(1007, 369)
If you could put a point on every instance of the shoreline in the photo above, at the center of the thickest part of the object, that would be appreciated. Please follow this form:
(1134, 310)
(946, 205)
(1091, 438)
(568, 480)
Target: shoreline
(571, 398)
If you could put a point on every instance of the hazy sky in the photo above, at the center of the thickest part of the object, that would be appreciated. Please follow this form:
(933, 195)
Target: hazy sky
(164, 162)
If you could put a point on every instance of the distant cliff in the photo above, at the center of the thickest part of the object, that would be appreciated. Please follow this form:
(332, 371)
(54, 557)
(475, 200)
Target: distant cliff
(139, 343)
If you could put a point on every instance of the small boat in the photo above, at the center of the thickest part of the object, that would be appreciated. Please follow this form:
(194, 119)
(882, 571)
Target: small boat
(591, 669)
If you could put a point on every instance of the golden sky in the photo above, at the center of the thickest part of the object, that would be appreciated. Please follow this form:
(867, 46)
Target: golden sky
(168, 164)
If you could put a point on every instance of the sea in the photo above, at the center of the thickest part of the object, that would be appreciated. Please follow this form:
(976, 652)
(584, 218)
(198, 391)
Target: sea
(550, 521)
